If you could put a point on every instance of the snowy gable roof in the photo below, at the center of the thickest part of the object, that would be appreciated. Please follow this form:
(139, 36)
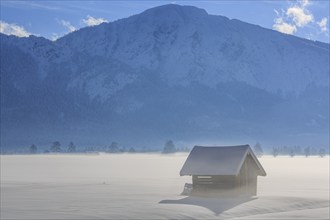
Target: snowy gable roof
(226, 160)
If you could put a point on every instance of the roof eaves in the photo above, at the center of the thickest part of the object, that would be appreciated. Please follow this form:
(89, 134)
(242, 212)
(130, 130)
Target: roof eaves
(262, 170)
(242, 161)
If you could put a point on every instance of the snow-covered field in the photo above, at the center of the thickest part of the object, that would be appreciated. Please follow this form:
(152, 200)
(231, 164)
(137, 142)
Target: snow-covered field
(148, 186)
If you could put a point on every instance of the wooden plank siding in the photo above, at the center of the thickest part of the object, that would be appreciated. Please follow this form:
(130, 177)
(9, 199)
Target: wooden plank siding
(247, 178)
(243, 184)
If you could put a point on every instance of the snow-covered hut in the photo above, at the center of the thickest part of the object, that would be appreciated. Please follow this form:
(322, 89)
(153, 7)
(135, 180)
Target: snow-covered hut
(227, 169)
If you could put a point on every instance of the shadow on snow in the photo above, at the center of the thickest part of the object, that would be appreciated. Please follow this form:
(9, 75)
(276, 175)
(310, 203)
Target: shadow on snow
(216, 205)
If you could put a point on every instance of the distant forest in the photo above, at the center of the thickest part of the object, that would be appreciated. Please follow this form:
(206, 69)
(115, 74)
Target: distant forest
(168, 148)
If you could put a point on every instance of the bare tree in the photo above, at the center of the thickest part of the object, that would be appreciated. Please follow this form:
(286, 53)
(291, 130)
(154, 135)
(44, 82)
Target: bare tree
(322, 152)
(292, 152)
(258, 149)
(71, 147)
(56, 147)
(33, 149)
(275, 151)
(169, 147)
(113, 148)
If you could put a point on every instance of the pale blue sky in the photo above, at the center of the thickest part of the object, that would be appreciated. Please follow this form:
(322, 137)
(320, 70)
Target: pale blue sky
(52, 19)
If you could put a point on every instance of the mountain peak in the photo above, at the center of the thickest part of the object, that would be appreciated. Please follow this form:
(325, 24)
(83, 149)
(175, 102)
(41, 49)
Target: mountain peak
(185, 11)
(208, 77)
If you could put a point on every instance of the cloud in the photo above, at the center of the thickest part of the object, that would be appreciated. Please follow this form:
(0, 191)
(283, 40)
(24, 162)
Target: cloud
(13, 29)
(284, 27)
(91, 21)
(323, 24)
(296, 16)
(304, 3)
(68, 25)
(300, 16)
(47, 5)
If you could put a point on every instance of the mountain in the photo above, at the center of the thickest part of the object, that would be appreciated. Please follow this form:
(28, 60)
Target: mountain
(171, 72)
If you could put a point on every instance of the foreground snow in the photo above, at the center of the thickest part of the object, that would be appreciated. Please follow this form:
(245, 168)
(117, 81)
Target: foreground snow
(142, 186)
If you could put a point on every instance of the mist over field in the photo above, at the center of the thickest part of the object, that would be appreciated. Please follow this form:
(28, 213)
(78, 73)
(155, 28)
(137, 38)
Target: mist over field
(148, 186)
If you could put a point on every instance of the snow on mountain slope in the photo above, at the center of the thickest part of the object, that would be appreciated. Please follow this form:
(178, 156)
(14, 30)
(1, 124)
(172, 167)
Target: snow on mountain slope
(42, 50)
(185, 44)
(171, 71)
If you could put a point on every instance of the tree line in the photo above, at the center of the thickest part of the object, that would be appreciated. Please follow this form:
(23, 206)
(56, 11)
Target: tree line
(297, 150)
(54, 148)
(169, 147)
(291, 151)
(114, 147)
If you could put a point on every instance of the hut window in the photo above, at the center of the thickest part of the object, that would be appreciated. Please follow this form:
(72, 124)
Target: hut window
(204, 180)
(204, 177)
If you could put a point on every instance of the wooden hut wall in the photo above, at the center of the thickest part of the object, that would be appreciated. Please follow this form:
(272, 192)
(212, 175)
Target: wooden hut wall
(247, 178)
(218, 182)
